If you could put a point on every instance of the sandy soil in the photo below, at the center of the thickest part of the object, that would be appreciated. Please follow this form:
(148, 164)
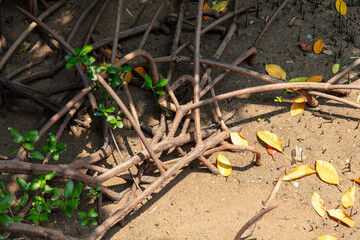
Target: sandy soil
(196, 204)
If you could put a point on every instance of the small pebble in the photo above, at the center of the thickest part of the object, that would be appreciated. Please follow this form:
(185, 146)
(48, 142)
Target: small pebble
(295, 184)
(309, 36)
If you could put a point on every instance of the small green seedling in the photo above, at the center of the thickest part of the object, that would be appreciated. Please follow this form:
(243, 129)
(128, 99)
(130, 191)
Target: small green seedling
(26, 142)
(149, 83)
(95, 192)
(89, 218)
(278, 99)
(53, 147)
(114, 120)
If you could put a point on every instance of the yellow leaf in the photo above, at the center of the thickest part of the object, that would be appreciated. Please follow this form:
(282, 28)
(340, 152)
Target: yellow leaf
(327, 172)
(348, 198)
(335, 68)
(108, 51)
(275, 71)
(297, 107)
(341, 215)
(298, 172)
(128, 77)
(238, 139)
(270, 139)
(341, 7)
(318, 46)
(141, 71)
(223, 165)
(357, 180)
(206, 7)
(318, 204)
(221, 6)
(315, 78)
(326, 237)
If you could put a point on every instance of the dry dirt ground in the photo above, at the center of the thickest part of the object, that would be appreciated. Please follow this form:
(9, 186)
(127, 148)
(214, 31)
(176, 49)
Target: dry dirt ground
(196, 204)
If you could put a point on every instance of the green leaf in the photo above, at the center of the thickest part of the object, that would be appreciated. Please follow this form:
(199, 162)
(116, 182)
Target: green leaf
(33, 216)
(55, 203)
(84, 223)
(14, 133)
(39, 199)
(55, 156)
(91, 73)
(162, 82)
(119, 124)
(68, 189)
(67, 57)
(43, 217)
(77, 51)
(36, 155)
(98, 113)
(23, 201)
(98, 188)
(160, 92)
(16, 209)
(91, 195)
(5, 202)
(71, 61)
(86, 60)
(126, 69)
(93, 222)
(46, 148)
(48, 189)
(68, 210)
(60, 145)
(110, 109)
(2, 185)
(116, 81)
(92, 213)
(35, 185)
(56, 193)
(50, 176)
(73, 203)
(22, 183)
(113, 70)
(77, 190)
(17, 219)
(148, 81)
(32, 136)
(4, 220)
(28, 145)
(82, 214)
(13, 151)
(51, 139)
(85, 50)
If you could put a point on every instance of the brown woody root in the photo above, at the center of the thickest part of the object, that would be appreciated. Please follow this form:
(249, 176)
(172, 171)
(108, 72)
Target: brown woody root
(205, 141)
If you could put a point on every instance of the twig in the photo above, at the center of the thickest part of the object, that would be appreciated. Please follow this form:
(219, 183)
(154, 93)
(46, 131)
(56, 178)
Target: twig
(27, 31)
(116, 30)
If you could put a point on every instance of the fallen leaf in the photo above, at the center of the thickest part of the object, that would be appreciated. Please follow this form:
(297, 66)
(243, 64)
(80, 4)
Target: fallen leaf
(357, 180)
(297, 107)
(327, 172)
(220, 6)
(298, 79)
(298, 172)
(318, 46)
(128, 77)
(315, 78)
(275, 71)
(108, 51)
(206, 7)
(306, 47)
(318, 204)
(141, 71)
(272, 151)
(348, 198)
(341, 7)
(325, 237)
(270, 139)
(342, 216)
(328, 52)
(223, 165)
(335, 68)
(238, 139)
